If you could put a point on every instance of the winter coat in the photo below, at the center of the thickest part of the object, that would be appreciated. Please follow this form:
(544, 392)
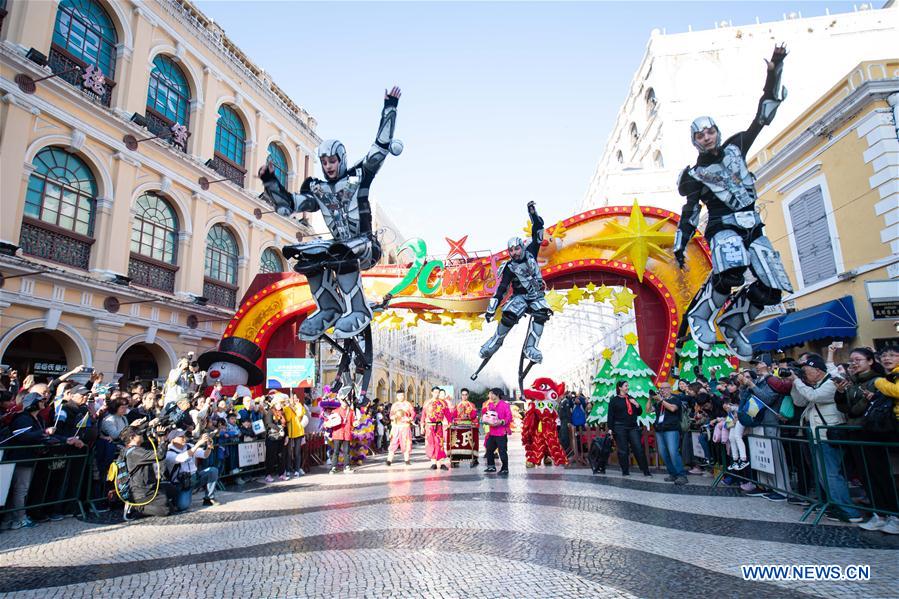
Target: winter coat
(820, 407)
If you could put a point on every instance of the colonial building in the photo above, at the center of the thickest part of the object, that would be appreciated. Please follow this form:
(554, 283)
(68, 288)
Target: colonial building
(720, 72)
(829, 194)
(131, 133)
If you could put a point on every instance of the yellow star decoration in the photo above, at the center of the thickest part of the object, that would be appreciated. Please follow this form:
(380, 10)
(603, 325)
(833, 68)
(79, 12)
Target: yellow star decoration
(607, 353)
(559, 231)
(395, 323)
(410, 319)
(555, 300)
(476, 323)
(575, 295)
(630, 339)
(623, 301)
(590, 288)
(602, 293)
(430, 317)
(527, 228)
(447, 319)
(638, 240)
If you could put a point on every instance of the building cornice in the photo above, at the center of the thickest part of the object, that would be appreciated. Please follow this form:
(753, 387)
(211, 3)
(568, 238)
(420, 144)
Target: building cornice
(824, 127)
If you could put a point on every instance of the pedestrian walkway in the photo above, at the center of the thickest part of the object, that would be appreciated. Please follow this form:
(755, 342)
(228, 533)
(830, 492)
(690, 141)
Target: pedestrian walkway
(408, 531)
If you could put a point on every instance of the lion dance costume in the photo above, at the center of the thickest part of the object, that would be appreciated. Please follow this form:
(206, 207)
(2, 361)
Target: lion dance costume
(538, 431)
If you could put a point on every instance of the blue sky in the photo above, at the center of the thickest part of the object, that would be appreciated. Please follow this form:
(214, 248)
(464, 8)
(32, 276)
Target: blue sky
(503, 102)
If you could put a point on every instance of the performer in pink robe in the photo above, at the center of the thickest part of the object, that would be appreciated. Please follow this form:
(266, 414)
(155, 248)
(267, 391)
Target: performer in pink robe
(434, 415)
(401, 416)
(462, 437)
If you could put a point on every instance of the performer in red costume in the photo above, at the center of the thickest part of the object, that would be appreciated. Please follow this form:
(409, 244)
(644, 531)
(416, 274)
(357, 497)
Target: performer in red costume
(538, 432)
(434, 416)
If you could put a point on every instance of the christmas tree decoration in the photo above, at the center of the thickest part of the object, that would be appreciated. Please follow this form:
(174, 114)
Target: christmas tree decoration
(718, 356)
(575, 295)
(638, 374)
(638, 240)
(623, 301)
(603, 389)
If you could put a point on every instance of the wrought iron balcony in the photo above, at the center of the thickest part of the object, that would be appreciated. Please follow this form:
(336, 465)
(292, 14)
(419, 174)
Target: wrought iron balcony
(159, 125)
(60, 61)
(219, 293)
(226, 168)
(45, 241)
(147, 272)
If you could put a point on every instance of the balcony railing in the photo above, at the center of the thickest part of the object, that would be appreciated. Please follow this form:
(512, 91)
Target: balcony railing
(226, 168)
(147, 272)
(162, 126)
(60, 60)
(48, 242)
(219, 293)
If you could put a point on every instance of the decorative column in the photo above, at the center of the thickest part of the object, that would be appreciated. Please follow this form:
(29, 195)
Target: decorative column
(15, 130)
(112, 231)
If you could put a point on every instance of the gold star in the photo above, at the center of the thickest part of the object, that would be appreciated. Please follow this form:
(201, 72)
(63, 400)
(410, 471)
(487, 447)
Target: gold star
(607, 353)
(602, 293)
(430, 317)
(623, 301)
(476, 324)
(574, 296)
(590, 288)
(395, 323)
(630, 339)
(638, 240)
(447, 319)
(410, 319)
(555, 300)
(559, 231)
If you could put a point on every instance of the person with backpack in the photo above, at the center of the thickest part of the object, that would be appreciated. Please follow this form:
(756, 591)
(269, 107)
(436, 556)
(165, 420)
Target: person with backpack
(137, 480)
(669, 411)
(181, 468)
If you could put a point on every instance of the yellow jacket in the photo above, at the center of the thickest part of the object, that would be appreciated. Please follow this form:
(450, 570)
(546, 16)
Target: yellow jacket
(890, 389)
(294, 419)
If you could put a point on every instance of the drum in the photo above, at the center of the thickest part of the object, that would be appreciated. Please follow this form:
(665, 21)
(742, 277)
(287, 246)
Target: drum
(462, 442)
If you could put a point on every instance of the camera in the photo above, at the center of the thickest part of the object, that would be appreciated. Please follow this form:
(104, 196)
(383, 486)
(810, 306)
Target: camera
(784, 372)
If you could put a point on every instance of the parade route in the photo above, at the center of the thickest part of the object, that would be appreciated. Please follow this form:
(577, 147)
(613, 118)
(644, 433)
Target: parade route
(413, 532)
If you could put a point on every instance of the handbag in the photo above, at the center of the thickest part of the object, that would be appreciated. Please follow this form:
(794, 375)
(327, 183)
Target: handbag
(787, 409)
(333, 421)
(879, 416)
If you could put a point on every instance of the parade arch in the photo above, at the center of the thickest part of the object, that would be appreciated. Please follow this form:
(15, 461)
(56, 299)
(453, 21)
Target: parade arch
(626, 248)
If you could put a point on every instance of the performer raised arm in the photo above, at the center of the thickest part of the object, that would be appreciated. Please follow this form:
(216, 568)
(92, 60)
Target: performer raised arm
(523, 274)
(343, 201)
(721, 180)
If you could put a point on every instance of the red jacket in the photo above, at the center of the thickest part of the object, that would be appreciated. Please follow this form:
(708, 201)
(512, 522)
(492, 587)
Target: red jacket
(344, 432)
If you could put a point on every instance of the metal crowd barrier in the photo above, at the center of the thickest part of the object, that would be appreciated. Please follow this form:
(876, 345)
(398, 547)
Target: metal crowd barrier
(58, 477)
(579, 445)
(869, 462)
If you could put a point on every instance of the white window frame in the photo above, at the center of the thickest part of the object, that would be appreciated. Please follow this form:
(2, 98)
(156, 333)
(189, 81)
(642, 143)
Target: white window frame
(819, 181)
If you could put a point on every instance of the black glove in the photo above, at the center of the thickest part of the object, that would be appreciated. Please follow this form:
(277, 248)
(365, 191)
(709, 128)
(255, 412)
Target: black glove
(679, 256)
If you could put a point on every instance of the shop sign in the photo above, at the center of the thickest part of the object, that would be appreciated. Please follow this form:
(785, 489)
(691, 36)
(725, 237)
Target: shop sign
(885, 310)
(52, 368)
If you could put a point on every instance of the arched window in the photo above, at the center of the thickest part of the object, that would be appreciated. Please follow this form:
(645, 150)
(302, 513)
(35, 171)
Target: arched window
(657, 159)
(634, 134)
(279, 160)
(652, 104)
(221, 255)
(229, 135)
(168, 96)
(62, 193)
(83, 33)
(154, 233)
(270, 261)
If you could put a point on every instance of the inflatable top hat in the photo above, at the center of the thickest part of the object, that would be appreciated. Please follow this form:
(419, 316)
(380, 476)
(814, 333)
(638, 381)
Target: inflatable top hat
(234, 363)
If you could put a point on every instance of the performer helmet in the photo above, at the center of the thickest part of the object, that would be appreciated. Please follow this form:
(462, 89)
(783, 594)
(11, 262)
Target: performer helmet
(703, 122)
(333, 147)
(516, 242)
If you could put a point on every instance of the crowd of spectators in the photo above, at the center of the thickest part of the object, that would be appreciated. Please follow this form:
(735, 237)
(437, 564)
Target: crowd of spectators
(62, 437)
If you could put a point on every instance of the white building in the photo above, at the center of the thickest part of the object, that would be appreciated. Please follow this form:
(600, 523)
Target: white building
(720, 73)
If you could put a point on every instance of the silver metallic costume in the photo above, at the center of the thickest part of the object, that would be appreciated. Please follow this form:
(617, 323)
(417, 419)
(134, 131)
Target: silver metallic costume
(523, 274)
(721, 180)
(333, 267)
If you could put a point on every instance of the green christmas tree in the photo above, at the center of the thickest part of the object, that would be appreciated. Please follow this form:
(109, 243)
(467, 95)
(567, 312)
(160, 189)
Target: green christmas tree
(603, 389)
(634, 370)
(716, 356)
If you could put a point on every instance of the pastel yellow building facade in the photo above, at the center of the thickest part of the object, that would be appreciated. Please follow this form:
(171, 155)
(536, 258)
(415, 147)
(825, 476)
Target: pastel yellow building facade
(120, 256)
(829, 196)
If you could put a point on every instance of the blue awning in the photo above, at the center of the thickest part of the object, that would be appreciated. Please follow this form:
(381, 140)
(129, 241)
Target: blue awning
(833, 319)
(763, 335)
